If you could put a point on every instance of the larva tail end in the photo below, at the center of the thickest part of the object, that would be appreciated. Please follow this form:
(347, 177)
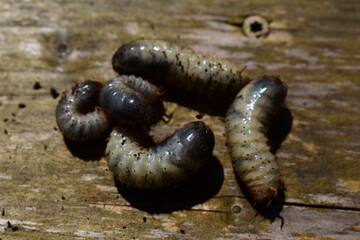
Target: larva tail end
(277, 87)
(78, 114)
(86, 96)
(125, 59)
(198, 141)
(206, 140)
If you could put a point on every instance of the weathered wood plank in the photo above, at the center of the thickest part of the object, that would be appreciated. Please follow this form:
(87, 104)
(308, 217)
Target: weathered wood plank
(52, 189)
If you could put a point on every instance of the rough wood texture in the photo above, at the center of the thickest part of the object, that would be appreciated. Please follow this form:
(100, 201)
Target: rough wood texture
(52, 189)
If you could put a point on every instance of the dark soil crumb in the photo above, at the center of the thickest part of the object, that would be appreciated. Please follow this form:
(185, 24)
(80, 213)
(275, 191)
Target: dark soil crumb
(37, 86)
(54, 93)
(22, 105)
(62, 47)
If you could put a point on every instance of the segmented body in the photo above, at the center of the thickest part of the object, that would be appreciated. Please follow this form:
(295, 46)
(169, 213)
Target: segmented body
(247, 122)
(165, 164)
(78, 114)
(129, 99)
(171, 65)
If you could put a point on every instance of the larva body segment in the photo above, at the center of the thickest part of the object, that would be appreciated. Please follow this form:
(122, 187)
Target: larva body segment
(163, 165)
(129, 99)
(247, 123)
(78, 114)
(171, 65)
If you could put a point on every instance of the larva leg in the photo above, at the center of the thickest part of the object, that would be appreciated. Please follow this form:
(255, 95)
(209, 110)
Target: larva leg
(171, 65)
(247, 122)
(163, 165)
(78, 114)
(129, 100)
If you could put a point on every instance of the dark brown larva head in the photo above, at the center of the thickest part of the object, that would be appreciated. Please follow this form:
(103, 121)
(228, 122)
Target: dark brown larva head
(264, 195)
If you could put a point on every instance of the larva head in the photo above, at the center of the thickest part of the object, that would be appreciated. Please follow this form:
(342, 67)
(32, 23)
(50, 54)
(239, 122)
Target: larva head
(266, 193)
(196, 145)
(86, 96)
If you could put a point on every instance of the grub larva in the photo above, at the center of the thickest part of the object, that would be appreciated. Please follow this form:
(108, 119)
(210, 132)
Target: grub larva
(78, 113)
(163, 165)
(129, 100)
(170, 65)
(247, 122)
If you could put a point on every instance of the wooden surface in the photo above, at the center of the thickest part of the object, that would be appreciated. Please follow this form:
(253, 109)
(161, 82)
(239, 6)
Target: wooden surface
(50, 189)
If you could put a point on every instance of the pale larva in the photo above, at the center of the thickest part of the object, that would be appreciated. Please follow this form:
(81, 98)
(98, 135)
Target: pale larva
(247, 123)
(168, 64)
(79, 115)
(163, 165)
(129, 100)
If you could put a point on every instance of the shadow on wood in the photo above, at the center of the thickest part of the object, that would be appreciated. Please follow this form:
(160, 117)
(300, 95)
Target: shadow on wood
(279, 128)
(90, 150)
(197, 189)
